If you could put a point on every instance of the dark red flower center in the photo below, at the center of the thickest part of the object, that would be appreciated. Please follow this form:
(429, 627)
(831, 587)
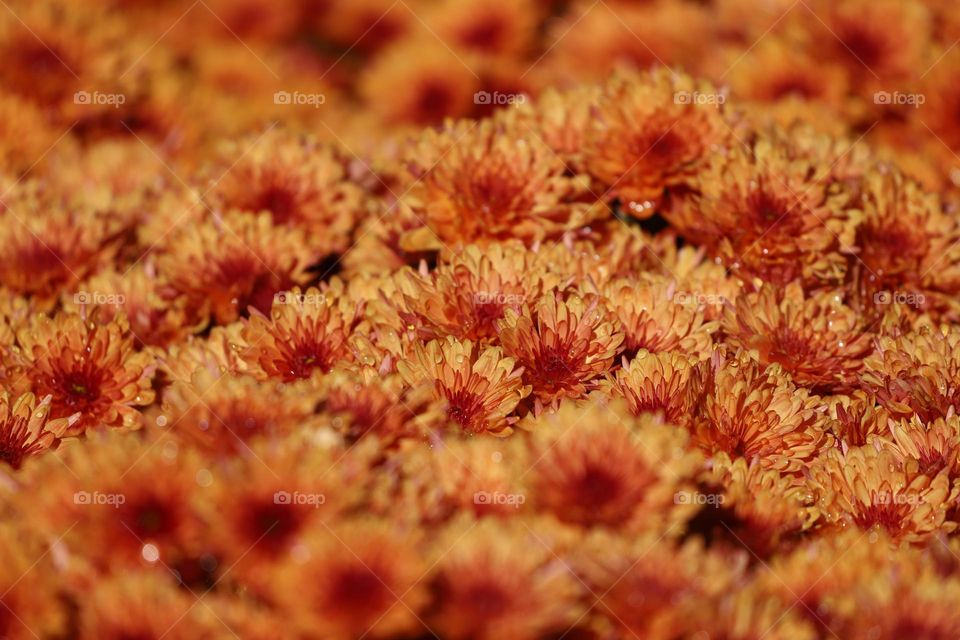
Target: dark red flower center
(485, 34)
(359, 591)
(13, 438)
(279, 201)
(464, 407)
(272, 526)
(149, 517)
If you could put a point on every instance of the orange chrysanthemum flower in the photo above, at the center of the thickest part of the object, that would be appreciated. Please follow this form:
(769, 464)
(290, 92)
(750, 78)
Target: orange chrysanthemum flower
(650, 134)
(358, 578)
(426, 82)
(479, 388)
(226, 266)
(702, 284)
(562, 344)
(870, 488)
(469, 294)
(305, 333)
(26, 136)
(225, 414)
(52, 49)
(15, 313)
(269, 501)
(856, 419)
(244, 617)
(562, 120)
(300, 182)
(776, 71)
(368, 406)
(914, 601)
(368, 25)
(28, 606)
(769, 511)
(599, 466)
(658, 317)
(109, 501)
(876, 43)
(588, 42)
(818, 340)
(604, 252)
(939, 87)
(907, 248)
(379, 245)
(646, 587)
(916, 373)
(26, 430)
(755, 412)
(822, 577)
(491, 180)
(45, 254)
(772, 211)
(489, 27)
(667, 383)
(482, 477)
(934, 446)
(251, 20)
(216, 354)
(155, 316)
(143, 605)
(747, 613)
(88, 368)
(499, 581)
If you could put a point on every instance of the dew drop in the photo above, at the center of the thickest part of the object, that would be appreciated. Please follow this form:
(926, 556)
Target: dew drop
(204, 478)
(150, 553)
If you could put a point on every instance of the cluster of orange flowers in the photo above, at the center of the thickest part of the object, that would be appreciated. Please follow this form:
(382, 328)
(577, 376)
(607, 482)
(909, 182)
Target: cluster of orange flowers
(191, 72)
(603, 355)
